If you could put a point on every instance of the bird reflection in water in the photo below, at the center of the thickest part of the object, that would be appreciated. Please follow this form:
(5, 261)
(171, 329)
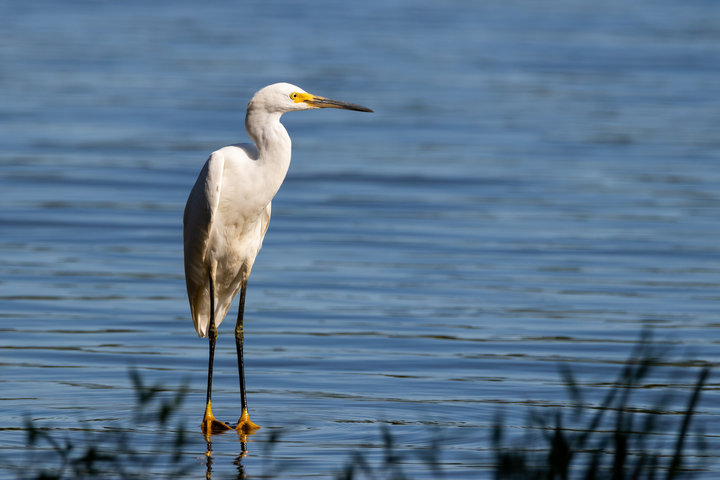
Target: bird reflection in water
(237, 462)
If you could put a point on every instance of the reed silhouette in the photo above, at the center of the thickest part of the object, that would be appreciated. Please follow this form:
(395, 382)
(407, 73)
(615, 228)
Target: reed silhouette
(615, 439)
(633, 443)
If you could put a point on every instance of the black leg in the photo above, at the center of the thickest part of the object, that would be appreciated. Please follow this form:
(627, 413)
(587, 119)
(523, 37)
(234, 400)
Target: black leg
(210, 425)
(212, 338)
(244, 423)
(239, 339)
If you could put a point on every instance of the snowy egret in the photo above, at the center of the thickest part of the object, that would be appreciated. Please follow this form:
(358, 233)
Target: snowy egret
(227, 215)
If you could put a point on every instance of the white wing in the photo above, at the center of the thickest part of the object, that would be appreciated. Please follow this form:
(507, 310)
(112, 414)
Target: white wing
(198, 219)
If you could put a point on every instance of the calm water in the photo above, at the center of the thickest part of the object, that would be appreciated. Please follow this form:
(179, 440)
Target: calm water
(539, 182)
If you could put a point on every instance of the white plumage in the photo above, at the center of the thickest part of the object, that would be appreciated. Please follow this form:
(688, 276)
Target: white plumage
(227, 215)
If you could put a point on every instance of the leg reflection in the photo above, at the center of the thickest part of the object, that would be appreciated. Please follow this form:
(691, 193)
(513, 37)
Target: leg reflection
(208, 458)
(238, 461)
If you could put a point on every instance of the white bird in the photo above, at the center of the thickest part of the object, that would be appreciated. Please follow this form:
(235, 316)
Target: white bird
(227, 215)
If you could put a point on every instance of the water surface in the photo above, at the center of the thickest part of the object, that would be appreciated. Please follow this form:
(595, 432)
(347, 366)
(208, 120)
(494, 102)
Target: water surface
(538, 183)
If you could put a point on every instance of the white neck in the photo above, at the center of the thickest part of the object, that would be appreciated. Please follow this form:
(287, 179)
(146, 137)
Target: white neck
(273, 145)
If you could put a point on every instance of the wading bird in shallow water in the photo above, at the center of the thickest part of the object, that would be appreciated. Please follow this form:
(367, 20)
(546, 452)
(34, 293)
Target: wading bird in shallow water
(227, 215)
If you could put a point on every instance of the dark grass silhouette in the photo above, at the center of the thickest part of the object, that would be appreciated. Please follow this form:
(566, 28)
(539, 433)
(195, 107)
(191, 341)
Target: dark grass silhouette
(633, 443)
(110, 453)
(613, 440)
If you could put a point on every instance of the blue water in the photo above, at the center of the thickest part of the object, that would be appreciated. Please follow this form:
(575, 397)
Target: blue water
(539, 181)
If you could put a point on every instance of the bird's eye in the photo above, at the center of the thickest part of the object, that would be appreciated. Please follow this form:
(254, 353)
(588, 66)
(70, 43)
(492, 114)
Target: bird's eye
(293, 95)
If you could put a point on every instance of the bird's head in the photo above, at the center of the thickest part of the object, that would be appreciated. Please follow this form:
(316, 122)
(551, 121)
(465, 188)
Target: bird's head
(285, 97)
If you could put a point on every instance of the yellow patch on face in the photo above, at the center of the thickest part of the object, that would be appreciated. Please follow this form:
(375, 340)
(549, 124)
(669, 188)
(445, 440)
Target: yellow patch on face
(298, 97)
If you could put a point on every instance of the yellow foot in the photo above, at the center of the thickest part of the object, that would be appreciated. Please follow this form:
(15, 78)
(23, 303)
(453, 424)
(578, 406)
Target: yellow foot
(244, 424)
(211, 426)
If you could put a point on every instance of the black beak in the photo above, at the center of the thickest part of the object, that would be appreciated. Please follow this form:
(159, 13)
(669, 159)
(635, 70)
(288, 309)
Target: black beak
(321, 102)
